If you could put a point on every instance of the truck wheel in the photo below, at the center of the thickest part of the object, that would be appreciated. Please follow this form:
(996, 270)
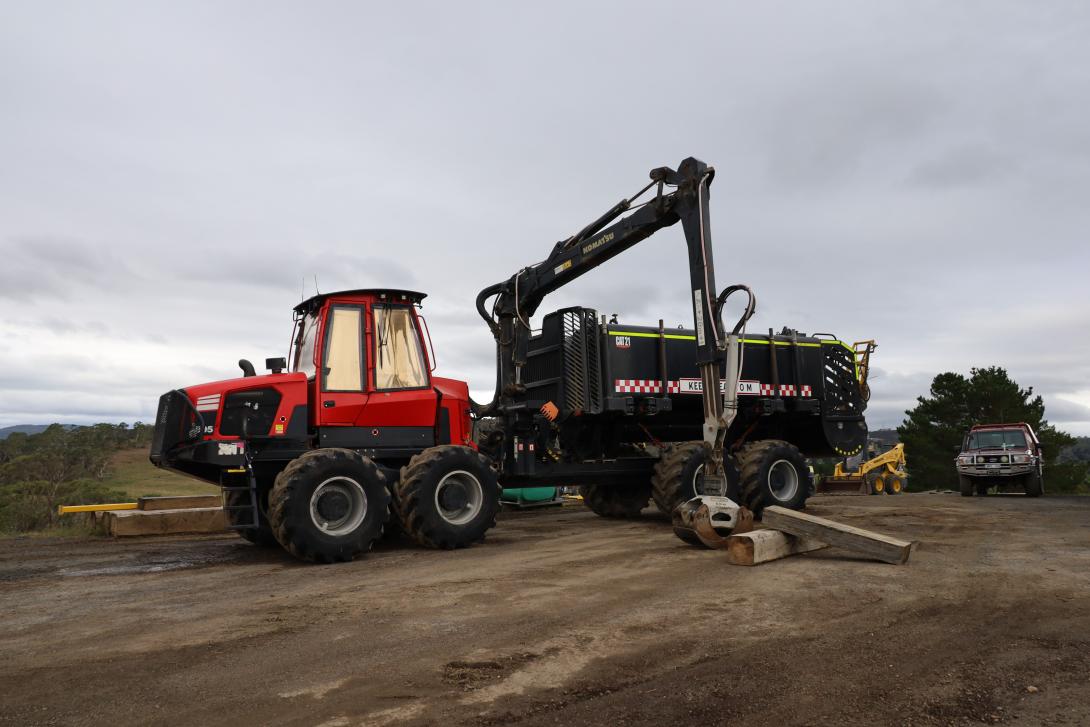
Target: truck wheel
(261, 536)
(618, 501)
(1033, 484)
(329, 505)
(966, 486)
(678, 476)
(773, 473)
(447, 497)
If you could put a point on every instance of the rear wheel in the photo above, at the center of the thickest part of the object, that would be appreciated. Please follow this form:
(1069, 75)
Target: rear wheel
(966, 486)
(448, 497)
(679, 476)
(329, 505)
(616, 501)
(773, 472)
(895, 485)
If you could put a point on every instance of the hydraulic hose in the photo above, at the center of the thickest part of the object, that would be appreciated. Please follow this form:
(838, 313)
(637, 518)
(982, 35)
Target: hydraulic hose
(751, 306)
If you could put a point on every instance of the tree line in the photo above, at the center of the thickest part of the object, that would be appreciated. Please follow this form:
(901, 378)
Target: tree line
(60, 465)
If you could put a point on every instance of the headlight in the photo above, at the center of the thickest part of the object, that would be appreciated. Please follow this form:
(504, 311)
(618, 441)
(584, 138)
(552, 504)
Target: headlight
(1019, 458)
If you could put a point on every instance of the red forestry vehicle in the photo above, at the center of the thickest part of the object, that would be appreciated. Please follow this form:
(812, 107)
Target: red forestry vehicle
(357, 434)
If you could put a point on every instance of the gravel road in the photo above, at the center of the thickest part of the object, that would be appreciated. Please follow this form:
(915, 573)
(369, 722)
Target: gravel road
(563, 618)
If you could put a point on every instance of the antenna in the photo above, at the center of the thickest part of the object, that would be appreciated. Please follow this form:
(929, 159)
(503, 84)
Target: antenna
(316, 284)
(302, 288)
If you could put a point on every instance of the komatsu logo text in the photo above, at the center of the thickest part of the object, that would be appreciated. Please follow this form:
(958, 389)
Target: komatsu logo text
(591, 247)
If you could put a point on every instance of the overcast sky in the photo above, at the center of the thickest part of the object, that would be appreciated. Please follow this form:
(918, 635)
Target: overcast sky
(171, 173)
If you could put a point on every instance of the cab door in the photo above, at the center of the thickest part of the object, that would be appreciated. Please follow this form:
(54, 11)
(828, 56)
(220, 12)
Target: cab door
(400, 411)
(342, 390)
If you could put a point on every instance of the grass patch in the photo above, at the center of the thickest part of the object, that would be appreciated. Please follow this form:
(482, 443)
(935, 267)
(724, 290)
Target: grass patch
(133, 474)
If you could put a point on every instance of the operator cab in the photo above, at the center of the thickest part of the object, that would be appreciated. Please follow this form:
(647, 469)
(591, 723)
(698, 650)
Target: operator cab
(368, 362)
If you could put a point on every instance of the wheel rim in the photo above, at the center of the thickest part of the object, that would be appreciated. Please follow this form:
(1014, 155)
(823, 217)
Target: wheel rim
(879, 485)
(338, 505)
(459, 497)
(783, 480)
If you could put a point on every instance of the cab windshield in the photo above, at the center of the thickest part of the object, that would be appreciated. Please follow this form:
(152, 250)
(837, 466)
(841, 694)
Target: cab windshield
(303, 345)
(997, 439)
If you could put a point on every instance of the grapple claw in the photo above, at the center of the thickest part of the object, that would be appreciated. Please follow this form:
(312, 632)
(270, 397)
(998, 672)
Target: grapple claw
(707, 520)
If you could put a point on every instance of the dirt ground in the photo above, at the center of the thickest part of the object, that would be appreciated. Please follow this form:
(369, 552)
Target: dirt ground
(564, 618)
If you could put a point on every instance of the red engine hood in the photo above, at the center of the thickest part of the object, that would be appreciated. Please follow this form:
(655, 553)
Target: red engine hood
(242, 384)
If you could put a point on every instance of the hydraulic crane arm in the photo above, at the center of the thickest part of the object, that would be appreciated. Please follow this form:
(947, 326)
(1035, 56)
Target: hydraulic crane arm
(519, 297)
(680, 196)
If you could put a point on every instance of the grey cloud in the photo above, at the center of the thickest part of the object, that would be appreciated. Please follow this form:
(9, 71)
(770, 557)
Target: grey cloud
(891, 170)
(961, 167)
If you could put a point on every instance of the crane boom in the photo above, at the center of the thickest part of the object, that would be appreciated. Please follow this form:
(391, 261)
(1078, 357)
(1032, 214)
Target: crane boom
(518, 298)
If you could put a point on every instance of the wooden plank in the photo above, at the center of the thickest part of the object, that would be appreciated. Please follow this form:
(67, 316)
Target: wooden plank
(167, 522)
(871, 544)
(761, 546)
(179, 502)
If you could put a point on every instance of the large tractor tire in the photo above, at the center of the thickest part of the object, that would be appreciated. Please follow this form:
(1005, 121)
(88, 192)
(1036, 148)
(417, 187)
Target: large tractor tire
(895, 484)
(1034, 484)
(616, 500)
(329, 505)
(262, 536)
(965, 485)
(447, 497)
(678, 476)
(773, 472)
(879, 484)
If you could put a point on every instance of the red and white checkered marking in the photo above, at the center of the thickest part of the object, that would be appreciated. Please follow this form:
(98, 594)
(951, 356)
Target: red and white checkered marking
(692, 386)
(644, 386)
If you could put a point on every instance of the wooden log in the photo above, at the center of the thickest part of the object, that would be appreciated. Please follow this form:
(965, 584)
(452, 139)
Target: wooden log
(167, 522)
(871, 544)
(761, 546)
(178, 502)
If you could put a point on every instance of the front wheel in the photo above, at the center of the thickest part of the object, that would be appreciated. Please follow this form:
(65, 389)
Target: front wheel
(773, 472)
(1034, 484)
(329, 505)
(966, 486)
(448, 497)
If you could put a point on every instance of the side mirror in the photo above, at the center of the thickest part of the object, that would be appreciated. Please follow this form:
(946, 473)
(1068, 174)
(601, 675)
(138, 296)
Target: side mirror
(276, 365)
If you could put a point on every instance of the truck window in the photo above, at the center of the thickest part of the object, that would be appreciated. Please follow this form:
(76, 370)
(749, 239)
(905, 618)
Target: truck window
(343, 369)
(399, 362)
(998, 439)
(303, 362)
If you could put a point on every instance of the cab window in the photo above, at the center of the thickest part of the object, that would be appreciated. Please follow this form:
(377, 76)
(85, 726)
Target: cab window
(306, 332)
(399, 361)
(343, 369)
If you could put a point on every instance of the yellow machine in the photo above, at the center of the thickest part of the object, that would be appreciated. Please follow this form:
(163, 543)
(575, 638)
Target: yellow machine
(863, 350)
(880, 475)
